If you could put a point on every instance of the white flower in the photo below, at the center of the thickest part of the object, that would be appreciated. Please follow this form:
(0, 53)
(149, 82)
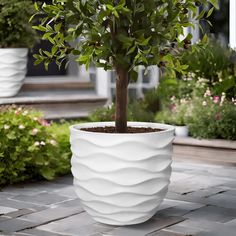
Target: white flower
(35, 131)
(6, 126)
(21, 127)
(204, 103)
(42, 143)
(25, 113)
(53, 142)
(35, 118)
(207, 93)
(36, 143)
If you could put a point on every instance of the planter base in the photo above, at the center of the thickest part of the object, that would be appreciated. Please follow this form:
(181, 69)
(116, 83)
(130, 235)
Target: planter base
(121, 179)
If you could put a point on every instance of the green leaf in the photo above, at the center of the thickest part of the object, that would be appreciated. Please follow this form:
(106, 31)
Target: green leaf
(40, 28)
(36, 7)
(215, 3)
(210, 12)
(133, 75)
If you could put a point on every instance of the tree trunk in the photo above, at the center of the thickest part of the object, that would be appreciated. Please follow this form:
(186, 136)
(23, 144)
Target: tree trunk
(121, 99)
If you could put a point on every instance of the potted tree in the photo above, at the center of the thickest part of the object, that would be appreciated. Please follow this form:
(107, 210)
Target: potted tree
(122, 169)
(16, 36)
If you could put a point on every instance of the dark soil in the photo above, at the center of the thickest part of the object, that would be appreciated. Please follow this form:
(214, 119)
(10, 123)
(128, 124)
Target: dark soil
(130, 130)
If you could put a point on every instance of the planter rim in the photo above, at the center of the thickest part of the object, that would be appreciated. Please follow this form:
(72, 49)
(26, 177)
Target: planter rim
(78, 127)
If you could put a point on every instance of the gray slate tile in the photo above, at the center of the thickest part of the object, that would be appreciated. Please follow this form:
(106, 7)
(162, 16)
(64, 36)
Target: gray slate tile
(37, 232)
(51, 214)
(13, 225)
(5, 210)
(70, 225)
(41, 199)
(220, 231)
(18, 204)
(144, 228)
(165, 233)
(180, 210)
(212, 213)
(223, 200)
(20, 212)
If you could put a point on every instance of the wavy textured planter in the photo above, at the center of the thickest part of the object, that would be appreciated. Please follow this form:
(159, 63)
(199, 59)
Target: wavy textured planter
(13, 64)
(121, 179)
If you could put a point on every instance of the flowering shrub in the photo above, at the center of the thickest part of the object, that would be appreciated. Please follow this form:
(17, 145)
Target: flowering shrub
(28, 147)
(175, 113)
(213, 117)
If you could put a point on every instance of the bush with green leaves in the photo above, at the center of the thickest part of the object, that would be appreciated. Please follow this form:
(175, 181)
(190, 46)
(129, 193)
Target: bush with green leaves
(213, 117)
(15, 29)
(30, 148)
(215, 64)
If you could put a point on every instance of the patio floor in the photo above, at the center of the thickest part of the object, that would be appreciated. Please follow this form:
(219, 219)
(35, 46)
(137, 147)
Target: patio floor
(201, 201)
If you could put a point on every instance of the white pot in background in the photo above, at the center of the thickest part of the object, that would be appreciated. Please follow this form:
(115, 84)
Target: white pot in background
(181, 131)
(13, 67)
(121, 179)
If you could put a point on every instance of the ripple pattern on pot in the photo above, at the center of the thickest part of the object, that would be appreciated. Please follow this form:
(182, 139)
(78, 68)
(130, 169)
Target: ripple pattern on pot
(13, 63)
(123, 181)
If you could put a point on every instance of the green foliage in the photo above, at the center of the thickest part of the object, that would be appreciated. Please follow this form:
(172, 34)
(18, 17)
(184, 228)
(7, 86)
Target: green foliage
(118, 33)
(212, 63)
(212, 119)
(152, 100)
(15, 29)
(175, 114)
(29, 147)
(103, 114)
(137, 112)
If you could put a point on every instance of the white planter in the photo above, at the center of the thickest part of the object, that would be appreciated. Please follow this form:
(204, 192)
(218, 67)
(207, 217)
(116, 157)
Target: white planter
(13, 67)
(121, 179)
(181, 131)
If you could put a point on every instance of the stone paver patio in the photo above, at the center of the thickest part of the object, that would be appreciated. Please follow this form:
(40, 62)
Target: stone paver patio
(201, 201)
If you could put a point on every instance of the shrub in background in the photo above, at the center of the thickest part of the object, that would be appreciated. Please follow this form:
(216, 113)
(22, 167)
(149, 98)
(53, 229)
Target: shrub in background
(136, 112)
(29, 148)
(213, 117)
(15, 29)
(175, 113)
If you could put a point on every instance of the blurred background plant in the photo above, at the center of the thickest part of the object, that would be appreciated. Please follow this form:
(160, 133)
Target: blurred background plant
(15, 29)
(30, 147)
(213, 116)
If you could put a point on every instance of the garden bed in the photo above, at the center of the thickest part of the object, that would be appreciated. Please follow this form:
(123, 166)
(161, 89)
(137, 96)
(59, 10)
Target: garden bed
(214, 150)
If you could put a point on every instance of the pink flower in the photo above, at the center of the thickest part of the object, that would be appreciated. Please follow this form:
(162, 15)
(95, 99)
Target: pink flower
(216, 99)
(172, 107)
(43, 122)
